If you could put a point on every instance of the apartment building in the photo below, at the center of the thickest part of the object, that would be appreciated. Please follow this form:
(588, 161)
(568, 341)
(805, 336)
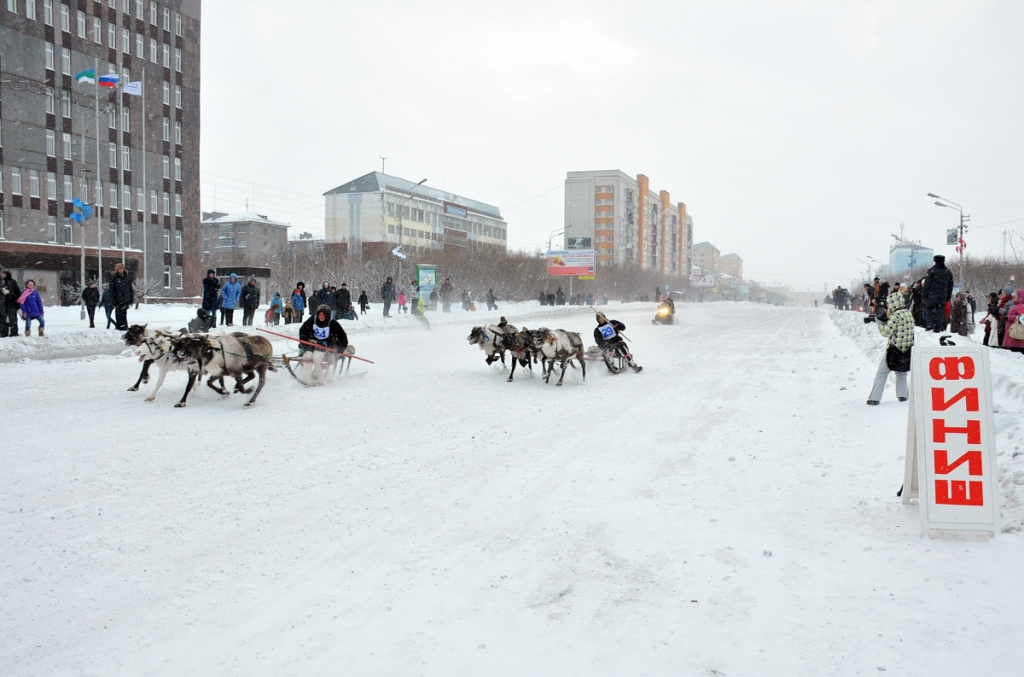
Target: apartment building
(626, 222)
(134, 159)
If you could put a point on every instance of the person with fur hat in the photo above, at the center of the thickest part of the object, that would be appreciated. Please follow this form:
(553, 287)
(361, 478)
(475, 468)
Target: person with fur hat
(211, 289)
(231, 293)
(896, 323)
(607, 335)
(936, 292)
(9, 305)
(122, 294)
(250, 301)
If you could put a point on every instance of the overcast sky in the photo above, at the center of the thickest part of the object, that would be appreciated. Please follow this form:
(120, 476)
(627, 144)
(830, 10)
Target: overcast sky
(800, 134)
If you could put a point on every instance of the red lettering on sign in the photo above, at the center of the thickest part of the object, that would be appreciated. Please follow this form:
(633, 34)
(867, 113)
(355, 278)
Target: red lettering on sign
(958, 495)
(944, 467)
(972, 430)
(968, 394)
(951, 368)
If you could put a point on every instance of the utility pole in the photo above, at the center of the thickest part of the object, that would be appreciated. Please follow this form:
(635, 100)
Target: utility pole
(382, 159)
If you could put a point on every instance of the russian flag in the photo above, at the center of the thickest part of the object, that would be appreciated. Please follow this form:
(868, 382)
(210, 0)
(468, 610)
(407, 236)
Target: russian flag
(109, 80)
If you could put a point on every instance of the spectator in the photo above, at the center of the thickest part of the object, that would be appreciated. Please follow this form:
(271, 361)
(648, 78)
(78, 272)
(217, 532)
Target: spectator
(387, 295)
(343, 300)
(289, 311)
(9, 306)
(401, 302)
(250, 301)
(211, 287)
(121, 295)
(276, 309)
(31, 307)
(936, 291)
(108, 304)
(364, 302)
(298, 302)
(91, 298)
(231, 293)
(491, 305)
(446, 295)
(559, 297)
(433, 299)
(1013, 322)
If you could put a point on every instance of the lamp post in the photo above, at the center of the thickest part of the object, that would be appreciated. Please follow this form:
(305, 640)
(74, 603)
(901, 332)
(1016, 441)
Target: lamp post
(552, 235)
(960, 244)
(401, 230)
(877, 263)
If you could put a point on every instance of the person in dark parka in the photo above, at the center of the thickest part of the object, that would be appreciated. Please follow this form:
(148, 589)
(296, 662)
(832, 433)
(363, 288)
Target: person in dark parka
(936, 291)
(322, 330)
(211, 286)
(342, 301)
(91, 298)
(121, 295)
(9, 307)
(250, 301)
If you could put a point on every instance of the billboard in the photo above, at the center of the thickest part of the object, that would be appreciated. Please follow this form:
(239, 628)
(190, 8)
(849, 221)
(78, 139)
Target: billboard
(577, 243)
(426, 278)
(698, 280)
(566, 262)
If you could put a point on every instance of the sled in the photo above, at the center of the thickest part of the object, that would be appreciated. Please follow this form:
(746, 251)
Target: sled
(315, 367)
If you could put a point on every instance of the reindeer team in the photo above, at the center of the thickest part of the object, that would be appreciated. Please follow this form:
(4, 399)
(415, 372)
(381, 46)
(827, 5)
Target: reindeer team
(527, 347)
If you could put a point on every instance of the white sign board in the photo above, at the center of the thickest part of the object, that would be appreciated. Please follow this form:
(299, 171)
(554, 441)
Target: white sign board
(951, 453)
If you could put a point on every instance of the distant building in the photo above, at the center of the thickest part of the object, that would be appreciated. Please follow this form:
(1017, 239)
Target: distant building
(904, 256)
(367, 212)
(244, 240)
(146, 204)
(706, 256)
(731, 264)
(626, 222)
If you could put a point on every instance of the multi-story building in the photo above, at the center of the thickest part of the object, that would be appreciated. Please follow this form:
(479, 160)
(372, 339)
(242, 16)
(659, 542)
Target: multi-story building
(628, 223)
(244, 240)
(369, 209)
(731, 264)
(705, 256)
(63, 137)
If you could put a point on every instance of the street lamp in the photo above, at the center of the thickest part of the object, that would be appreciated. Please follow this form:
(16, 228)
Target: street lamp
(401, 254)
(552, 235)
(960, 244)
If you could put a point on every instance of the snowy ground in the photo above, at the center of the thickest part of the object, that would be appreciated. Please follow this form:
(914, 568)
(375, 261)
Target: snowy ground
(729, 511)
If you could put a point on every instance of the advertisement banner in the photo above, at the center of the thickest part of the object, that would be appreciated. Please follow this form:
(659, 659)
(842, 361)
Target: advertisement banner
(576, 262)
(426, 278)
(951, 236)
(951, 452)
(702, 281)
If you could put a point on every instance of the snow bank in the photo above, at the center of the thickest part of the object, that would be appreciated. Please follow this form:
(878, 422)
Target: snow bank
(1007, 399)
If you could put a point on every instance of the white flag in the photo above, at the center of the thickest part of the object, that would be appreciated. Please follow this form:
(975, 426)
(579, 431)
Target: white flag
(133, 88)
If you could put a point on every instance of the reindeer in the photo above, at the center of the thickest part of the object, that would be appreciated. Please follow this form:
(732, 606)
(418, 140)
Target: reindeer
(491, 340)
(235, 355)
(520, 345)
(152, 347)
(563, 346)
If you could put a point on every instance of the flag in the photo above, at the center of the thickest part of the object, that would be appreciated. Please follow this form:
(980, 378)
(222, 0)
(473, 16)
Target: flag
(133, 88)
(88, 77)
(109, 80)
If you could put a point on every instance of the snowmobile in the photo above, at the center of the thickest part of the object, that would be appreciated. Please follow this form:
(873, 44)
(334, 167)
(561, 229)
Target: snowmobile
(666, 314)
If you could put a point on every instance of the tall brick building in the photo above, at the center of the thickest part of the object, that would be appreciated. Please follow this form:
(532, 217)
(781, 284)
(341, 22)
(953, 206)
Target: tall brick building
(146, 203)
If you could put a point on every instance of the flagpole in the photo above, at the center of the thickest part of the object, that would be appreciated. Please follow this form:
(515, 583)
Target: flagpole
(122, 217)
(99, 184)
(145, 194)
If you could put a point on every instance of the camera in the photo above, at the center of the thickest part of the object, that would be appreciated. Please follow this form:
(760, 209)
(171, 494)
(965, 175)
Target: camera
(869, 319)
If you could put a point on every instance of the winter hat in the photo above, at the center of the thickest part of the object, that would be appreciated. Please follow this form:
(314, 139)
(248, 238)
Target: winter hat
(939, 258)
(1007, 290)
(232, 276)
(211, 271)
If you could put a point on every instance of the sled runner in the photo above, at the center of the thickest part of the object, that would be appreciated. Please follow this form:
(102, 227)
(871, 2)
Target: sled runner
(315, 367)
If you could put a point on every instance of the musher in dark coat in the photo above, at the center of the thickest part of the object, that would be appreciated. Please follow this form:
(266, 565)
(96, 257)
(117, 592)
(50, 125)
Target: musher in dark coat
(607, 335)
(936, 291)
(211, 286)
(323, 331)
(121, 295)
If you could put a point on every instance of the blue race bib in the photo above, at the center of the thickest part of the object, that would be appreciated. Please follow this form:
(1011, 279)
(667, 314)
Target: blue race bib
(321, 333)
(607, 331)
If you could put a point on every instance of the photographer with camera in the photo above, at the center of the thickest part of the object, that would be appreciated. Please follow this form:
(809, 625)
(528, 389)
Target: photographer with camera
(895, 323)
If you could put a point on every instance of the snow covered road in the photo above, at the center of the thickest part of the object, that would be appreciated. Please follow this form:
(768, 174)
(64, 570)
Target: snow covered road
(731, 510)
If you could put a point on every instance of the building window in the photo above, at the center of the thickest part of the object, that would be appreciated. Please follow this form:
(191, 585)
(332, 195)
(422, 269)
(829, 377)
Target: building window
(167, 277)
(65, 61)
(177, 169)
(177, 96)
(166, 167)
(51, 145)
(153, 206)
(152, 13)
(167, 19)
(68, 232)
(177, 241)
(111, 36)
(51, 186)
(140, 199)
(97, 31)
(33, 183)
(51, 229)
(167, 204)
(65, 143)
(167, 240)
(49, 56)
(30, 9)
(65, 18)
(177, 23)
(48, 12)
(126, 156)
(177, 59)
(50, 101)
(80, 16)
(2, 237)
(140, 46)
(126, 122)
(65, 103)
(152, 50)
(177, 206)
(177, 133)
(112, 158)
(177, 276)
(166, 130)
(126, 41)
(112, 118)
(113, 196)
(139, 12)
(15, 181)
(167, 56)
(126, 234)
(113, 234)
(126, 198)
(167, 94)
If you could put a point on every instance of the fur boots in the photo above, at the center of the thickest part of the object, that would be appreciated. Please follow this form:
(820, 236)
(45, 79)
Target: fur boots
(40, 331)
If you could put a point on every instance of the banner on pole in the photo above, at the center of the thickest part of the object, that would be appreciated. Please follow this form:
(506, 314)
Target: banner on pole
(951, 455)
(426, 278)
(564, 262)
(951, 236)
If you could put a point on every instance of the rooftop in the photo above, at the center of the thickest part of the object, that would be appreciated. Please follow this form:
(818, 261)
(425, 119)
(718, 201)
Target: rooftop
(221, 217)
(376, 182)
